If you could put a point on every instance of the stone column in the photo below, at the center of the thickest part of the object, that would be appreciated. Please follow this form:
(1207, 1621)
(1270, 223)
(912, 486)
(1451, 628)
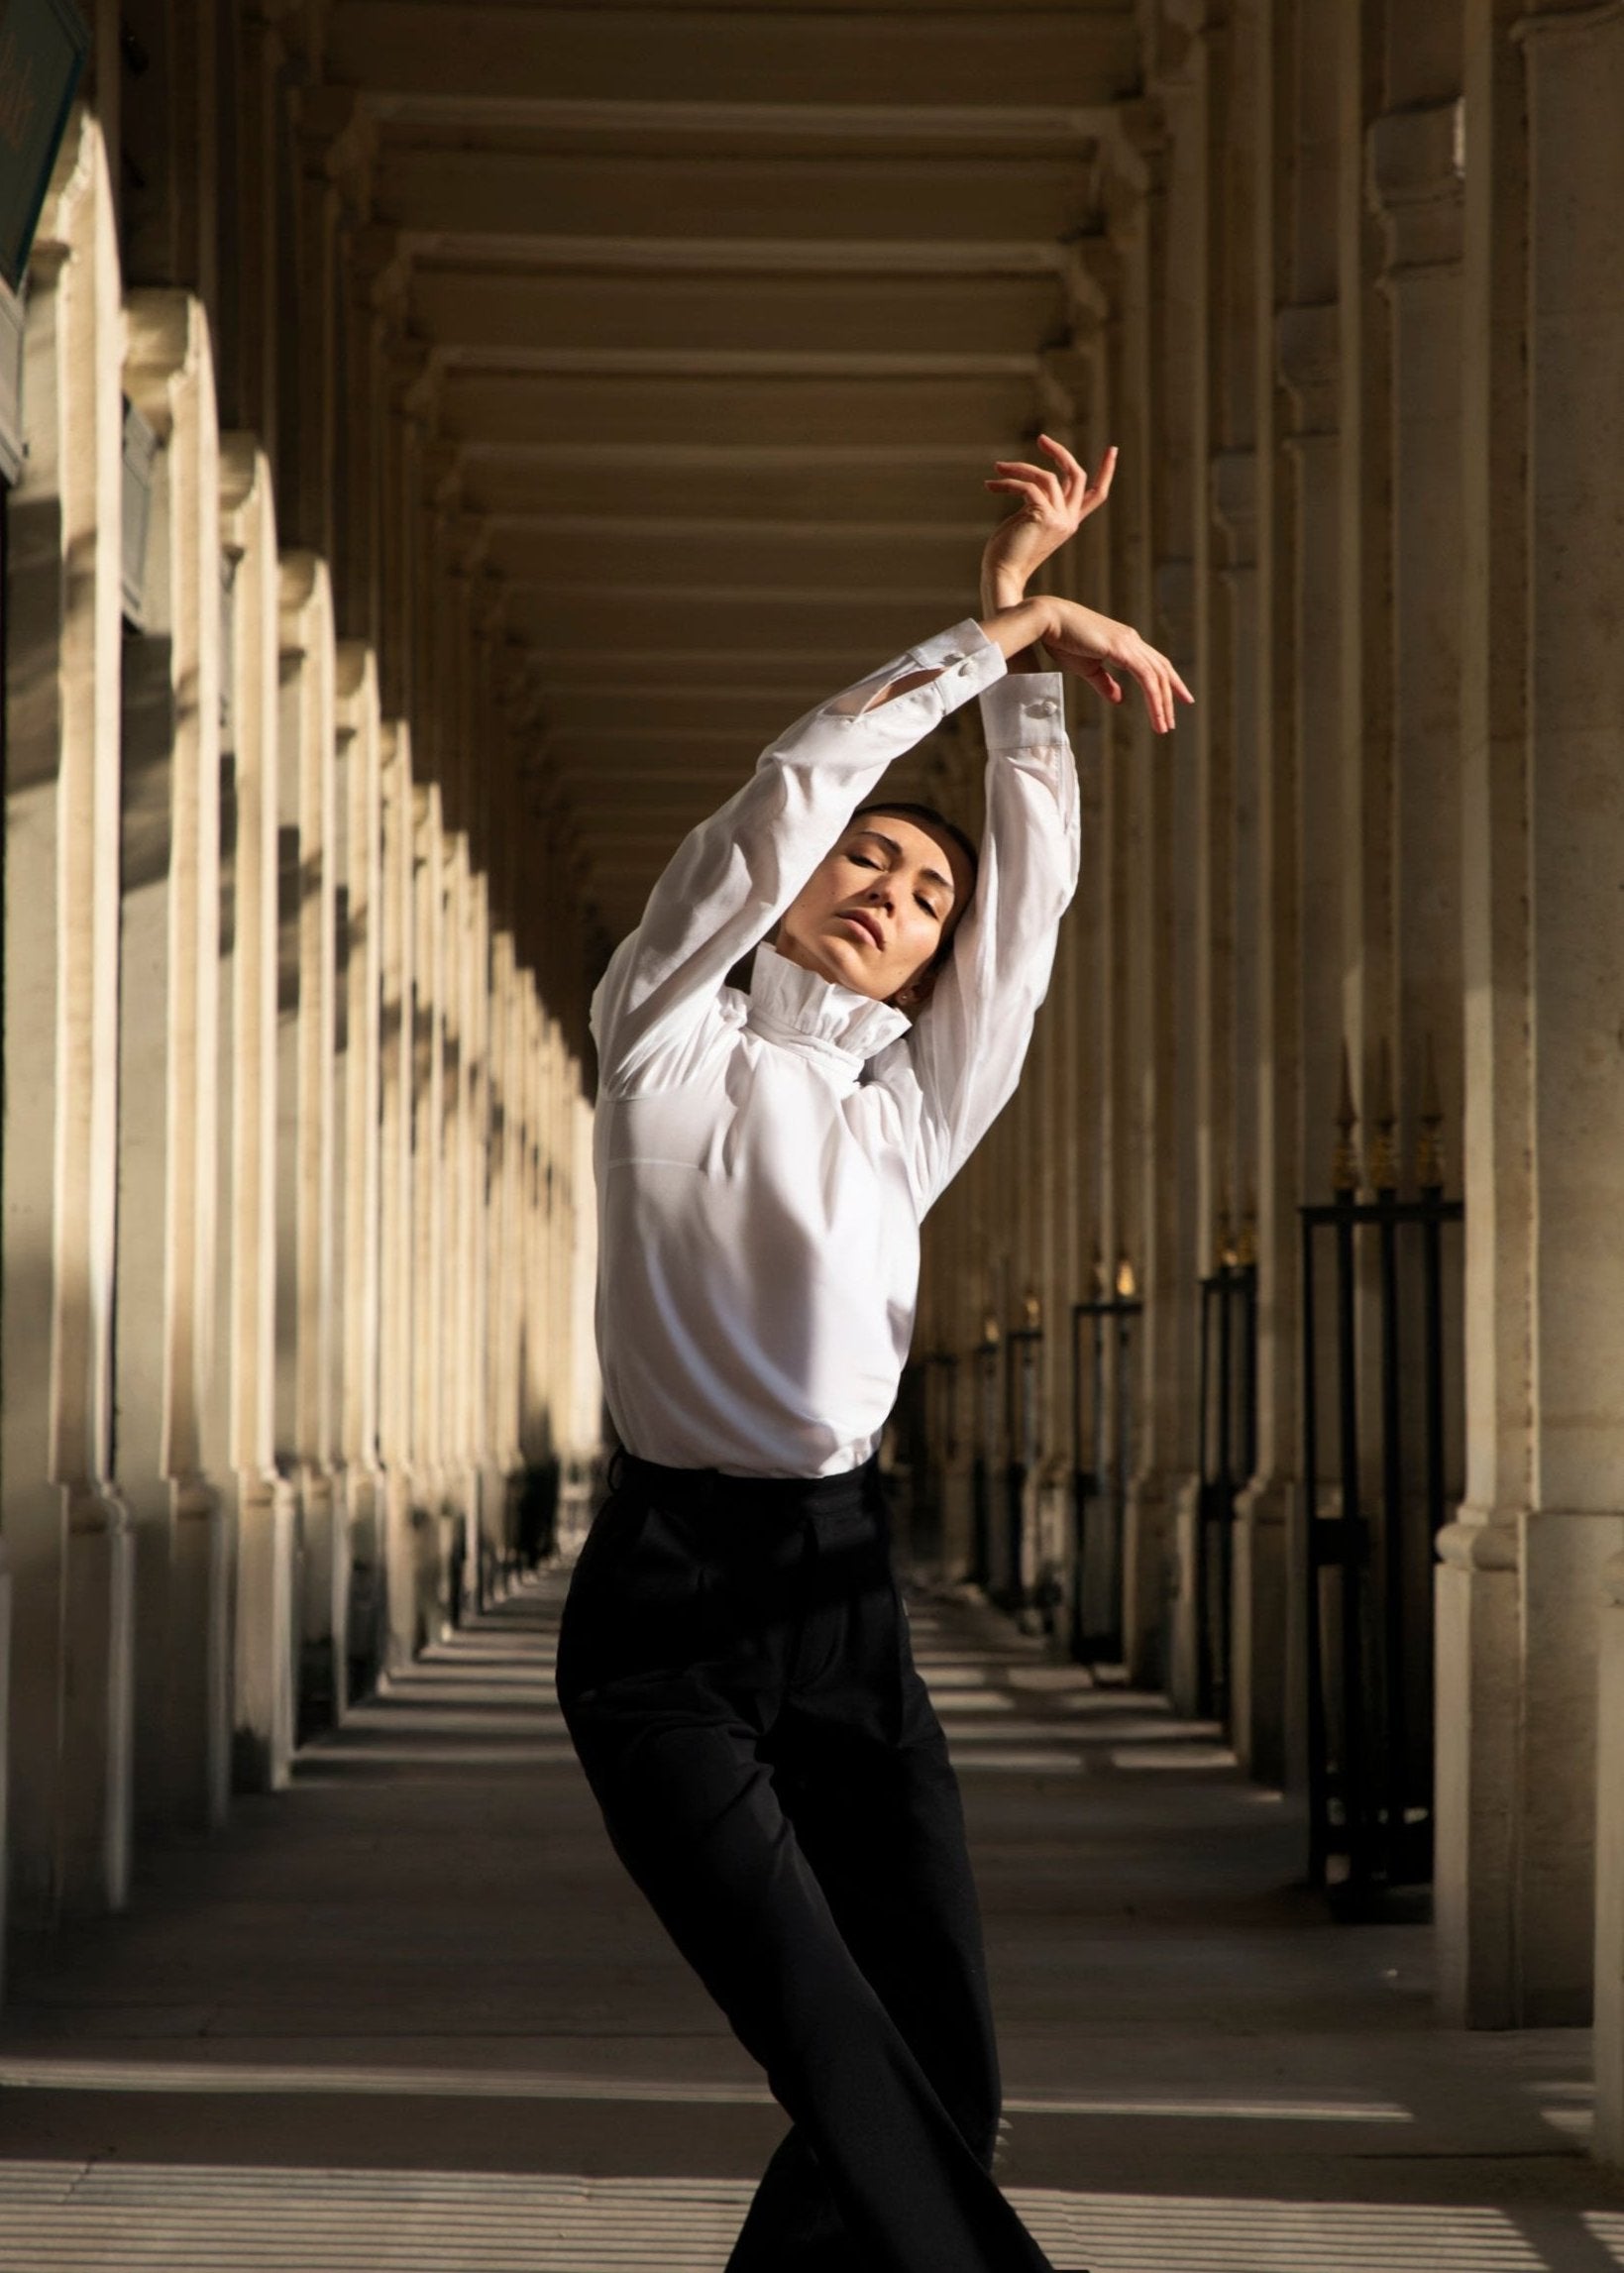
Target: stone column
(428, 1194)
(168, 1079)
(1194, 88)
(1142, 1182)
(405, 1633)
(360, 733)
(66, 1531)
(1609, 1990)
(1266, 1660)
(265, 1629)
(1544, 841)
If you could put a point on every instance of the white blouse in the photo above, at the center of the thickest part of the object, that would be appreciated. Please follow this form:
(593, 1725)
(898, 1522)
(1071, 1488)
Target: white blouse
(763, 1160)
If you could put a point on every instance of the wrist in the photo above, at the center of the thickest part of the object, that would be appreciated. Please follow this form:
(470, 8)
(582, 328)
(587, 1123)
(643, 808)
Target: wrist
(1017, 628)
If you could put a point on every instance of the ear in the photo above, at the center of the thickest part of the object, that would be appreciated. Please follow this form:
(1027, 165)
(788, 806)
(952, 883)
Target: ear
(917, 990)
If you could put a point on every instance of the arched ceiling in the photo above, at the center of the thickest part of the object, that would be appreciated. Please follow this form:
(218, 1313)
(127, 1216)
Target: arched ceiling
(729, 312)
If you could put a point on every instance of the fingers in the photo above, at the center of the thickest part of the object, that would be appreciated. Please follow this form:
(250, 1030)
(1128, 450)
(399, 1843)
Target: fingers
(1083, 494)
(1041, 499)
(1035, 482)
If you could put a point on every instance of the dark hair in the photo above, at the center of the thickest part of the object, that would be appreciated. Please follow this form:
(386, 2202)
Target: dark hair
(936, 821)
(939, 823)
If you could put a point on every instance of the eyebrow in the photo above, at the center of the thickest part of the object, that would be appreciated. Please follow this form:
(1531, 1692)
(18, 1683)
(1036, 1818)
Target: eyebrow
(928, 875)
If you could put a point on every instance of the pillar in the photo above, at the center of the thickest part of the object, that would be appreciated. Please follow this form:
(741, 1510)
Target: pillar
(168, 1079)
(67, 1530)
(361, 1519)
(1529, 1561)
(263, 1713)
(404, 1629)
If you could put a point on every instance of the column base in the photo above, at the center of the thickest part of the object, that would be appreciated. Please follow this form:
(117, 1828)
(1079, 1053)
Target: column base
(1147, 1573)
(361, 1610)
(5, 1750)
(98, 1715)
(1265, 1654)
(1184, 1600)
(1517, 1763)
(199, 1689)
(263, 1736)
(1608, 2139)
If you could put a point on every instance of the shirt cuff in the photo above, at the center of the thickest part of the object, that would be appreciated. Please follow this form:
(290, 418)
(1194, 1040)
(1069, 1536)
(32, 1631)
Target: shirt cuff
(1024, 711)
(968, 661)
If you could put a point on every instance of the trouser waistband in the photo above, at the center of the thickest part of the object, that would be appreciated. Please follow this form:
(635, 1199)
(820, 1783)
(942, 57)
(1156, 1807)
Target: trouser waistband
(710, 1488)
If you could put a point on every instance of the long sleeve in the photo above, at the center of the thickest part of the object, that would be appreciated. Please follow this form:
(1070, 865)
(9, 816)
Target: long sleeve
(735, 875)
(967, 1045)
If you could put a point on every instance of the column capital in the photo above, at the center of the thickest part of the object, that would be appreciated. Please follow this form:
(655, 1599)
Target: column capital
(1133, 159)
(1567, 21)
(1306, 346)
(164, 336)
(1482, 1539)
(339, 139)
(1093, 283)
(380, 265)
(1415, 180)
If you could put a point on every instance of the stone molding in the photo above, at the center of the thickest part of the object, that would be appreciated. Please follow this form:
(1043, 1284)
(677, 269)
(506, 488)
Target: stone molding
(1415, 180)
(1233, 491)
(1540, 23)
(1481, 1540)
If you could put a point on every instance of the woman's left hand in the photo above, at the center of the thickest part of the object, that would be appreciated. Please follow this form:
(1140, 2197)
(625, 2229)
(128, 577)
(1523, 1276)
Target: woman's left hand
(1055, 505)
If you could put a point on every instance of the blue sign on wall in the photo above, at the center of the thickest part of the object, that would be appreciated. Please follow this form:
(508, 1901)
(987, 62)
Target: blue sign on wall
(43, 48)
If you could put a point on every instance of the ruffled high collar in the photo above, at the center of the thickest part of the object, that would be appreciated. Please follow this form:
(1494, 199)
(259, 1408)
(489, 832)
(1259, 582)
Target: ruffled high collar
(794, 1005)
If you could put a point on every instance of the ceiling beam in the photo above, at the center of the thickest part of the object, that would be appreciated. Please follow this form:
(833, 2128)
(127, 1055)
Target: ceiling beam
(792, 555)
(873, 629)
(500, 410)
(793, 484)
(954, 57)
(497, 311)
(749, 128)
(491, 196)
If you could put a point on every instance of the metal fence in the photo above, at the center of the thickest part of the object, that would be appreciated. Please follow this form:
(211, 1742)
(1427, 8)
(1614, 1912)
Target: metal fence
(1102, 1374)
(1373, 1338)
(1229, 1455)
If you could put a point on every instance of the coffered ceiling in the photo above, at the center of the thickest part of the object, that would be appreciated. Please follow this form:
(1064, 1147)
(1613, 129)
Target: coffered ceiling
(729, 310)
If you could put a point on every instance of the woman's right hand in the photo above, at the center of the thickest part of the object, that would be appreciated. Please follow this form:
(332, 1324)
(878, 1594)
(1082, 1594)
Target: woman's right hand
(1096, 647)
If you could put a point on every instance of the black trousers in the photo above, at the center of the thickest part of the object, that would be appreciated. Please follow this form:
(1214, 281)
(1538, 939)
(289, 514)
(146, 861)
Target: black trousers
(734, 1670)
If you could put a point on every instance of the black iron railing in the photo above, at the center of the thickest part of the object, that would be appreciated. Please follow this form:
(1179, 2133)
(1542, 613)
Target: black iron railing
(1371, 1540)
(1229, 1455)
(1102, 1452)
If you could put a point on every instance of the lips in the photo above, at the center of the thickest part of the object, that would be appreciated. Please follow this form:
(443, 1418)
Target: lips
(868, 922)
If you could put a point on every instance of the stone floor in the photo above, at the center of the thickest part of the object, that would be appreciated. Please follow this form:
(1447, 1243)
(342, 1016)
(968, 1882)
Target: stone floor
(412, 2017)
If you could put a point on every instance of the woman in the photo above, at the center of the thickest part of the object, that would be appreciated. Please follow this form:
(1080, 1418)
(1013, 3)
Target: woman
(734, 1660)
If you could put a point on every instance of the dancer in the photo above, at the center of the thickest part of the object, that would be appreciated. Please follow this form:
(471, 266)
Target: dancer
(734, 1660)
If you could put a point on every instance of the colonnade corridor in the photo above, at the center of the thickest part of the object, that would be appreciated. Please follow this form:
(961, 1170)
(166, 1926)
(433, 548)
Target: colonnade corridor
(410, 2014)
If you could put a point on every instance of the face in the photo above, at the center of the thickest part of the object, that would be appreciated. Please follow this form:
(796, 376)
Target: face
(877, 910)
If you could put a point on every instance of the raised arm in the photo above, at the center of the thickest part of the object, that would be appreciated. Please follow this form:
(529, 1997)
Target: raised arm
(733, 875)
(968, 1044)
(970, 1040)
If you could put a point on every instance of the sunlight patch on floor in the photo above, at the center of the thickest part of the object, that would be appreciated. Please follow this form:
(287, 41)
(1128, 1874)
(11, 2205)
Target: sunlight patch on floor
(141, 2218)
